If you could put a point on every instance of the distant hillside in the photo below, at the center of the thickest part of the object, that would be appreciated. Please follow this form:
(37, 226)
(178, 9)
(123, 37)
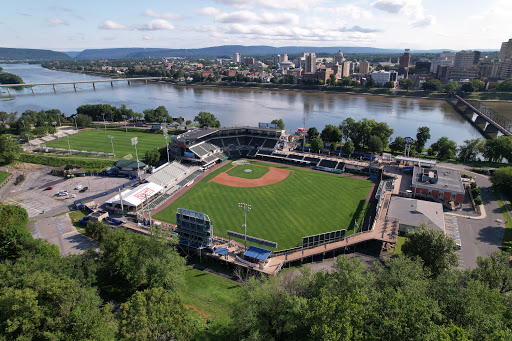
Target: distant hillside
(72, 54)
(31, 54)
(228, 50)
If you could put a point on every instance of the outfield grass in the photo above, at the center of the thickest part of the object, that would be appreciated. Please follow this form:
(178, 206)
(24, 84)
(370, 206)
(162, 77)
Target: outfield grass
(307, 202)
(97, 140)
(209, 296)
(3, 176)
(255, 173)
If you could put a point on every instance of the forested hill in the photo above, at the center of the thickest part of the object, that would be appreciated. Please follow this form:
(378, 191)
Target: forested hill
(9, 54)
(225, 51)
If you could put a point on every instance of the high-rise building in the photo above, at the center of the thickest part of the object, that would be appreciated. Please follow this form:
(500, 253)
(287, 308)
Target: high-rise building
(423, 67)
(347, 69)
(506, 51)
(403, 63)
(249, 60)
(237, 57)
(506, 69)
(364, 67)
(338, 58)
(446, 58)
(466, 59)
(310, 64)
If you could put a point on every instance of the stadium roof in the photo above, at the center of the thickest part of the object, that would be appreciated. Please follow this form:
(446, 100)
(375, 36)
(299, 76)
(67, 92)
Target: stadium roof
(416, 160)
(221, 251)
(412, 212)
(136, 196)
(129, 164)
(257, 253)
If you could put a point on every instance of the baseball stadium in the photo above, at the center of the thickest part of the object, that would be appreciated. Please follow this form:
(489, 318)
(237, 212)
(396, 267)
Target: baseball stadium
(231, 191)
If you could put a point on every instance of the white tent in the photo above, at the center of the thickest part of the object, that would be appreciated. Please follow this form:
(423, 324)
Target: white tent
(136, 196)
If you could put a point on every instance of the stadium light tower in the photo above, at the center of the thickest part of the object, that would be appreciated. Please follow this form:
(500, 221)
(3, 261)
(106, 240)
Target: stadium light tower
(246, 208)
(134, 143)
(166, 143)
(112, 142)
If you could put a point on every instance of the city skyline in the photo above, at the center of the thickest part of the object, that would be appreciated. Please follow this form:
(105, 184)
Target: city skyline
(414, 24)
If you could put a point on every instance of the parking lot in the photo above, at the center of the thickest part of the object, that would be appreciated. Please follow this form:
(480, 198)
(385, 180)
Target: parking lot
(32, 196)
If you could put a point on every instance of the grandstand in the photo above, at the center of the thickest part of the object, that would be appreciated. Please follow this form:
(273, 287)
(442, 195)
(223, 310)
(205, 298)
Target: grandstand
(168, 173)
(206, 147)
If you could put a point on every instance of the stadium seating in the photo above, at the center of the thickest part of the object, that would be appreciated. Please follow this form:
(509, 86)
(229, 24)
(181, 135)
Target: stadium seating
(256, 141)
(189, 178)
(295, 157)
(230, 141)
(264, 152)
(198, 150)
(252, 152)
(279, 155)
(341, 166)
(312, 160)
(328, 164)
(167, 174)
(270, 143)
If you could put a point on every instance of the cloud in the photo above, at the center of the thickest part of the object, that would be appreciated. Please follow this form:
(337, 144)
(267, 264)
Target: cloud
(112, 25)
(157, 25)
(411, 9)
(24, 14)
(360, 29)
(425, 22)
(351, 11)
(154, 14)
(278, 18)
(390, 6)
(147, 37)
(245, 16)
(56, 21)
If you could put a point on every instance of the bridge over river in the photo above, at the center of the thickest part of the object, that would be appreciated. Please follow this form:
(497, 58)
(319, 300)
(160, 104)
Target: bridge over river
(93, 82)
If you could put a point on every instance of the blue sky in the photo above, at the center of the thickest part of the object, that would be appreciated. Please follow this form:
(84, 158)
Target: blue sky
(415, 24)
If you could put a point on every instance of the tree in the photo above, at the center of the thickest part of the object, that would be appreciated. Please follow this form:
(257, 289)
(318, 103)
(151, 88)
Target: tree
(98, 230)
(207, 120)
(10, 149)
(389, 85)
(330, 133)
(506, 85)
(432, 85)
(347, 127)
(406, 83)
(398, 145)
(370, 82)
(443, 148)
(451, 87)
(279, 123)
(83, 121)
(502, 179)
(422, 136)
(467, 87)
(152, 157)
(188, 122)
(375, 144)
(497, 149)
(470, 150)
(436, 250)
(312, 133)
(348, 148)
(317, 144)
(332, 79)
(179, 120)
(154, 314)
(495, 271)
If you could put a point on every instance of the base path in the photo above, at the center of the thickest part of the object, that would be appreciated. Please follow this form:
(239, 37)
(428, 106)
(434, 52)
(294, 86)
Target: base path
(274, 175)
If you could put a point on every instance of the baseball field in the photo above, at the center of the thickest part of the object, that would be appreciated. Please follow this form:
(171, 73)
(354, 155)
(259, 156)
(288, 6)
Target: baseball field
(97, 140)
(287, 203)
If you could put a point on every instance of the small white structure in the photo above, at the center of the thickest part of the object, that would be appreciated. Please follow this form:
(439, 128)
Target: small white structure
(133, 199)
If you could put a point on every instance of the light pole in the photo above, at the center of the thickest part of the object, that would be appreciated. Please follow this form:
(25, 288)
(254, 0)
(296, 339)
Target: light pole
(104, 123)
(28, 138)
(134, 143)
(124, 119)
(112, 142)
(46, 124)
(69, 146)
(54, 124)
(76, 125)
(246, 208)
(166, 144)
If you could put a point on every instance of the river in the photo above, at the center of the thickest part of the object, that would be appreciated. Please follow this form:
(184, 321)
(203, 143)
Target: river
(238, 107)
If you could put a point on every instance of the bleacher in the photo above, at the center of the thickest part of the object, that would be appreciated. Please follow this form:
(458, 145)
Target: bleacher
(167, 174)
(264, 152)
(217, 142)
(189, 178)
(252, 152)
(270, 143)
(341, 166)
(198, 150)
(209, 147)
(279, 155)
(256, 141)
(234, 153)
(312, 160)
(295, 157)
(158, 201)
(230, 141)
(328, 164)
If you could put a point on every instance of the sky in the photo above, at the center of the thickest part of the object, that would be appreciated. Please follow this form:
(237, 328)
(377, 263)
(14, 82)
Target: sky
(415, 24)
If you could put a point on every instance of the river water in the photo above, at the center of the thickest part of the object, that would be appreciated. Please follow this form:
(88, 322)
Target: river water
(238, 107)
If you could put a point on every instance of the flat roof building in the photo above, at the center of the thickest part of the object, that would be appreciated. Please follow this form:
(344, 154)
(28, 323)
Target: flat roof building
(437, 183)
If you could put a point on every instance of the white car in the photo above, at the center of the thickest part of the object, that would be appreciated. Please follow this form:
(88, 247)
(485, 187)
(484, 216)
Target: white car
(78, 187)
(72, 196)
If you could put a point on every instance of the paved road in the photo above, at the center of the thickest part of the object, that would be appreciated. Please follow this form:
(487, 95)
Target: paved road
(480, 237)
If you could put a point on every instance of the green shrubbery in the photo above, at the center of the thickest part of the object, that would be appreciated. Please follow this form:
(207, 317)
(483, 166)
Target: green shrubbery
(89, 165)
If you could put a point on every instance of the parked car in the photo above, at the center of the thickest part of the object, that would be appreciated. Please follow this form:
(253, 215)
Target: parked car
(48, 188)
(78, 187)
(72, 196)
(84, 189)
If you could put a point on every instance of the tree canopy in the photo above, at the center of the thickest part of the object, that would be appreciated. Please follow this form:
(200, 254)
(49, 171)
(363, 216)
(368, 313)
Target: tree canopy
(279, 122)
(207, 120)
(330, 133)
(317, 144)
(312, 133)
(502, 179)
(443, 148)
(10, 149)
(422, 136)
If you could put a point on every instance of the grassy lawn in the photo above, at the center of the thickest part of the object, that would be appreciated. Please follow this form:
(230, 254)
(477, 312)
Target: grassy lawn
(305, 203)
(75, 217)
(398, 247)
(3, 176)
(209, 296)
(507, 237)
(256, 172)
(97, 140)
